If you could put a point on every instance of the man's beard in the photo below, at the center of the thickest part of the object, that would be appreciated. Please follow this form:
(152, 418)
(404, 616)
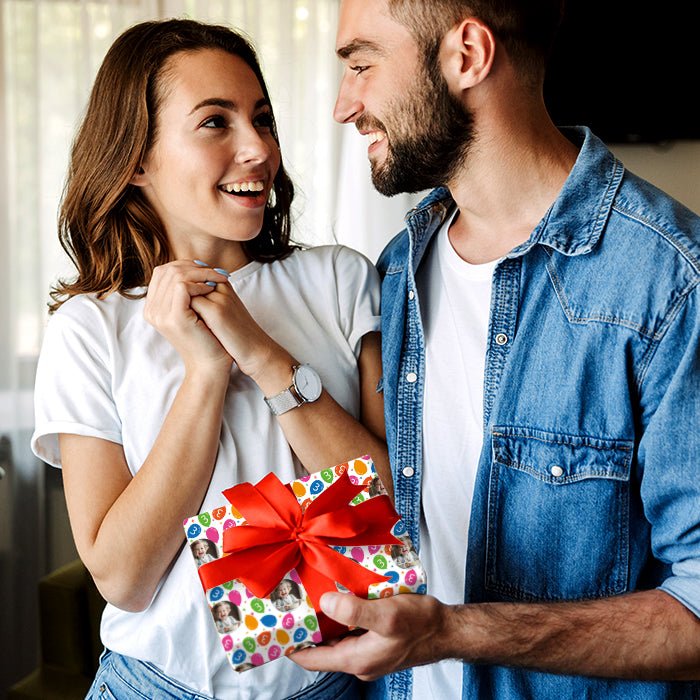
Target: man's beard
(431, 134)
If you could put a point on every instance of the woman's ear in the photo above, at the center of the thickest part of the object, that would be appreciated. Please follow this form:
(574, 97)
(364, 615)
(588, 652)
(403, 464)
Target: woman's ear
(467, 54)
(139, 178)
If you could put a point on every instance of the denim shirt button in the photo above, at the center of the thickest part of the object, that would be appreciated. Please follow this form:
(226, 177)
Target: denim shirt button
(501, 339)
(408, 472)
(411, 377)
(556, 470)
(411, 295)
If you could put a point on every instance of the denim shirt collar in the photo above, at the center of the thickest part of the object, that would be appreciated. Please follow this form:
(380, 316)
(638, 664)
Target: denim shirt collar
(573, 223)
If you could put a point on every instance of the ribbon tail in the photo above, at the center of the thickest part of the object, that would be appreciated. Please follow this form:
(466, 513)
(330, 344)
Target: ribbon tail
(330, 628)
(315, 582)
(322, 567)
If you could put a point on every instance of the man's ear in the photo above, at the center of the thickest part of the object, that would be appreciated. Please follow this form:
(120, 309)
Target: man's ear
(467, 54)
(139, 178)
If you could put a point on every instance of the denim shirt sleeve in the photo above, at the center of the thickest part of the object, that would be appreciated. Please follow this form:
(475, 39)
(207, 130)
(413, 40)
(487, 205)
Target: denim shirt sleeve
(669, 451)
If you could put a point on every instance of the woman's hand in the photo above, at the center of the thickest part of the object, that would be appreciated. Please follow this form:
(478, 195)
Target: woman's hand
(229, 320)
(170, 310)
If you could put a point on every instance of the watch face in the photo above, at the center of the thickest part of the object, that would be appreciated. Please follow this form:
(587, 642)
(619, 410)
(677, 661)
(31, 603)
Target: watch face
(307, 382)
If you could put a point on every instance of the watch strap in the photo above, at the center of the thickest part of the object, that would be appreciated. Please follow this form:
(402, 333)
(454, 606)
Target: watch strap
(284, 401)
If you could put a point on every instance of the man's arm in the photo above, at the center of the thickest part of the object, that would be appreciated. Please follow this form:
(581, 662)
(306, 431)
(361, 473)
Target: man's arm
(644, 635)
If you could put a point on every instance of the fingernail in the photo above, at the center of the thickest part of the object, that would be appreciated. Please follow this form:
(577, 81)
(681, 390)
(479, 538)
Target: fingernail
(200, 263)
(211, 284)
(328, 604)
(221, 271)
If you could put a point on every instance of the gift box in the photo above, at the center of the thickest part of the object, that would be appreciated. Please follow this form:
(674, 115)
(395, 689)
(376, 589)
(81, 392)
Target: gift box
(266, 557)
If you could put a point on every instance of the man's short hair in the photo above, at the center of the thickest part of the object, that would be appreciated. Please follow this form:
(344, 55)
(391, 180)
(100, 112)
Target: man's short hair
(526, 28)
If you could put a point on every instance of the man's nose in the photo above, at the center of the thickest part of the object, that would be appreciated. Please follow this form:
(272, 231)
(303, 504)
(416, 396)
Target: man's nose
(348, 106)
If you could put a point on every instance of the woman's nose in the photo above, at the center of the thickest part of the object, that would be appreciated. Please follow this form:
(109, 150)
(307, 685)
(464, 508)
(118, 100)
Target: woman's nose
(252, 146)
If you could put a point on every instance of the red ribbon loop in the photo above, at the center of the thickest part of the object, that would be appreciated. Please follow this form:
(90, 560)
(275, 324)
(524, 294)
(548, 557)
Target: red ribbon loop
(279, 537)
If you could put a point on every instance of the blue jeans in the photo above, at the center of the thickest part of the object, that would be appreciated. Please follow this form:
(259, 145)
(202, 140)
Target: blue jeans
(124, 678)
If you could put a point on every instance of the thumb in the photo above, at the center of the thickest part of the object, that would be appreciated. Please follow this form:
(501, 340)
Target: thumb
(347, 609)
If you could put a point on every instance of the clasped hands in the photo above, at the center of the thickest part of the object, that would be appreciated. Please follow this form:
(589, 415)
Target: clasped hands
(197, 310)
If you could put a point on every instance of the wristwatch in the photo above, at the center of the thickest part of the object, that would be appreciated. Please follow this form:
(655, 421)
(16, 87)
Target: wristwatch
(305, 388)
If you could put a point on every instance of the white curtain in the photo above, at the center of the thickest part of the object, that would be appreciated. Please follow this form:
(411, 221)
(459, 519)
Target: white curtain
(364, 219)
(50, 51)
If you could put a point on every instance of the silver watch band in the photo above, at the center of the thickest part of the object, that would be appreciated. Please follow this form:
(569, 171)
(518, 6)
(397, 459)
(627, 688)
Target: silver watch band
(284, 401)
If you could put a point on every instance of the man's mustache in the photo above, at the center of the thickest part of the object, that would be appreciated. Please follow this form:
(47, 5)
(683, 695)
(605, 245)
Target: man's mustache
(369, 123)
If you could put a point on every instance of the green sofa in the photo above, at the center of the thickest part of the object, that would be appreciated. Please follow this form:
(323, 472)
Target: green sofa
(70, 608)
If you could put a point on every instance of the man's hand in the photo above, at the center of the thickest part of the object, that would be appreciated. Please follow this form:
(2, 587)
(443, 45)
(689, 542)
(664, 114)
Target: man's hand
(646, 635)
(402, 631)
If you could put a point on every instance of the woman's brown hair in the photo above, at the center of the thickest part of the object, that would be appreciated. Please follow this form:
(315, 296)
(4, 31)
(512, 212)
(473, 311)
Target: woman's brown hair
(106, 226)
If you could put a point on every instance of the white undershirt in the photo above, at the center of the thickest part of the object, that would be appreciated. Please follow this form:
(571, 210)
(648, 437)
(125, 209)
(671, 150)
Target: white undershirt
(455, 298)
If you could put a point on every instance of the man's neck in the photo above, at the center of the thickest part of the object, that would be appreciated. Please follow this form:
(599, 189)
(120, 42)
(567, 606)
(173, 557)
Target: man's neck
(505, 188)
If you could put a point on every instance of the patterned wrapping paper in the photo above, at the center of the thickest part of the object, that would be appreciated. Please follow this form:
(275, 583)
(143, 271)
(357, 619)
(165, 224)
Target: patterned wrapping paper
(255, 630)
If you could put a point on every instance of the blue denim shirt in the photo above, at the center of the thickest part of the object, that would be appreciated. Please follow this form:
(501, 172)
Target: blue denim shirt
(589, 479)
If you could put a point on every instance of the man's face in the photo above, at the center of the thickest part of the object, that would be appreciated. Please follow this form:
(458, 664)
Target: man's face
(418, 132)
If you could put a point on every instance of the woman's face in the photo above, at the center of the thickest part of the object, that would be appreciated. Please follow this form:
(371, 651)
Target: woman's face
(214, 160)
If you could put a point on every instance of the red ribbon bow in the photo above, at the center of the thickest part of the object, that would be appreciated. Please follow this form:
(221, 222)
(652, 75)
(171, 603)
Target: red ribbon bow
(280, 537)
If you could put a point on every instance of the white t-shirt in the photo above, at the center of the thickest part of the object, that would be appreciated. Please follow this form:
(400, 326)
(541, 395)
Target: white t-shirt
(455, 298)
(105, 372)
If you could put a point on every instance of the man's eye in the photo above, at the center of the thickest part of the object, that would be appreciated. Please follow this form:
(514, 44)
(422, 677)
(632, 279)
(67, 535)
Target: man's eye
(359, 69)
(215, 122)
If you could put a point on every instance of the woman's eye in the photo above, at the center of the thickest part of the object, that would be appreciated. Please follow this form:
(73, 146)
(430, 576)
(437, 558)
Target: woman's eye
(263, 120)
(215, 122)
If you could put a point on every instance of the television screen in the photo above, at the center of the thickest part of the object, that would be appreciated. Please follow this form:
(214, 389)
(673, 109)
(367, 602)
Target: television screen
(627, 71)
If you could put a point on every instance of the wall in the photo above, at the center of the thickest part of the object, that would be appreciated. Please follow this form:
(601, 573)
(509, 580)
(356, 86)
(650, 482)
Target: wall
(674, 168)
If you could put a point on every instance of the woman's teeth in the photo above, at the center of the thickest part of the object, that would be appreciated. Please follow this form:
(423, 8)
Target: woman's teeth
(239, 187)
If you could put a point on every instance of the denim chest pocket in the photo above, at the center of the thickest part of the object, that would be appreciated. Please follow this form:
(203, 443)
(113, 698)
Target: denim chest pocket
(558, 517)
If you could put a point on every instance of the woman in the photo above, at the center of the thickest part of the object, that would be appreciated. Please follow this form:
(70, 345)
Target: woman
(188, 354)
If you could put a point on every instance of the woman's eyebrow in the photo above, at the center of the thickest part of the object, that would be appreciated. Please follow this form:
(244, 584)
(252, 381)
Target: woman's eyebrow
(225, 104)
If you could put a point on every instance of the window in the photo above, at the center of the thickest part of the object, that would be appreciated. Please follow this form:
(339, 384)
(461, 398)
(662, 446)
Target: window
(51, 50)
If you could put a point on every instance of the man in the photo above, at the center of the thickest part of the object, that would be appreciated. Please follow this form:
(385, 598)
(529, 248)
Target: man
(541, 316)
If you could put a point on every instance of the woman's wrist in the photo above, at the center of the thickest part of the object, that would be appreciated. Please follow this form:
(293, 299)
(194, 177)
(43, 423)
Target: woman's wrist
(273, 373)
(211, 375)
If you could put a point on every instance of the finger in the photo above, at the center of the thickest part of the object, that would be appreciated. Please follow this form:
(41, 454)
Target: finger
(197, 289)
(348, 609)
(164, 276)
(328, 657)
(219, 270)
